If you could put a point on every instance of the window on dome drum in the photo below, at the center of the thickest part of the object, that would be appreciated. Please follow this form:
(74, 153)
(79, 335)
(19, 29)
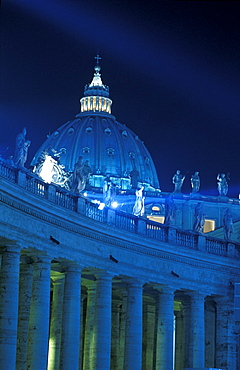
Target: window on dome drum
(147, 161)
(86, 150)
(108, 131)
(89, 130)
(209, 225)
(124, 133)
(71, 131)
(131, 155)
(110, 151)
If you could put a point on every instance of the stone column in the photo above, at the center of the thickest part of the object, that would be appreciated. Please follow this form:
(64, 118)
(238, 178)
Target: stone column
(71, 318)
(115, 333)
(197, 331)
(133, 341)
(149, 320)
(25, 296)
(123, 320)
(82, 327)
(56, 322)
(179, 340)
(89, 327)
(9, 285)
(165, 312)
(102, 323)
(39, 315)
(226, 341)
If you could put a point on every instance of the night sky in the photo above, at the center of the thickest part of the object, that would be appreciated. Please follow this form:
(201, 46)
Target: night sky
(172, 68)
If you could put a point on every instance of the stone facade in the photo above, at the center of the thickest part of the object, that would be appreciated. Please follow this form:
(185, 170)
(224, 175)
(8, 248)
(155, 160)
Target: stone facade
(80, 290)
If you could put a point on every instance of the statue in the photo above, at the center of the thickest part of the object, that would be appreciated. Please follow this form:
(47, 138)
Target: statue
(86, 171)
(177, 180)
(81, 173)
(222, 184)
(169, 210)
(228, 225)
(21, 150)
(109, 191)
(134, 174)
(195, 182)
(138, 208)
(199, 219)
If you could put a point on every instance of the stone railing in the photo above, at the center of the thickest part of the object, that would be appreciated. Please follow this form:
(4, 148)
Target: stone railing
(118, 219)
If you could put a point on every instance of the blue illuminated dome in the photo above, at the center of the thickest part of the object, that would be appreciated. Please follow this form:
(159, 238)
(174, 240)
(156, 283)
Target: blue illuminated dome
(110, 147)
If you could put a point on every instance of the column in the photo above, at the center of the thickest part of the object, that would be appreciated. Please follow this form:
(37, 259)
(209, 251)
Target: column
(82, 327)
(56, 322)
(197, 331)
(89, 327)
(149, 315)
(39, 315)
(133, 341)
(102, 323)
(9, 284)
(165, 321)
(123, 320)
(71, 318)
(115, 333)
(179, 340)
(226, 340)
(25, 295)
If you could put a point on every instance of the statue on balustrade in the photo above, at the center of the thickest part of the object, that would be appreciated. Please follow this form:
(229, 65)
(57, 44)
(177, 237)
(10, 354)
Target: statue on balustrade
(109, 191)
(81, 174)
(178, 180)
(222, 184)
(199, 219)
(134, 175)
(228, 225)
(139, 208)
(195, 182)
(21, 150)
(170, 211)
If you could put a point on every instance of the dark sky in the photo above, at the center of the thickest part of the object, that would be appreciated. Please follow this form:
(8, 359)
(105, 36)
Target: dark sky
(172, 68)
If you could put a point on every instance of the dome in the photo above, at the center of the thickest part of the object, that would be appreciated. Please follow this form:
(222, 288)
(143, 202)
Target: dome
(110, 148)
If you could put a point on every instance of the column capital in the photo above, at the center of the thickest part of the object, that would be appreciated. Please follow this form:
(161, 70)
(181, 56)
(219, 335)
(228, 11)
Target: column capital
(164, 289)
(10, 247)
(71, 266)
(196, 295)
(45, 259)
(104, 275)
(138, 283)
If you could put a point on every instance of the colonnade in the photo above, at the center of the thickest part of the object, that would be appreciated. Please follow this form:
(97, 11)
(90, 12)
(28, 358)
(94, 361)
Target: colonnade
(64, 316)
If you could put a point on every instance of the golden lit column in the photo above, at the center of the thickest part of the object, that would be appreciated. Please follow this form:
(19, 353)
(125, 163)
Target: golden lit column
(197, 331)
(165, 326)
(56, 323)
(71, 318)
(39, 315)
(25, 295)
(102, 322)
(133, 341)
(89, 326)
(9, 285)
